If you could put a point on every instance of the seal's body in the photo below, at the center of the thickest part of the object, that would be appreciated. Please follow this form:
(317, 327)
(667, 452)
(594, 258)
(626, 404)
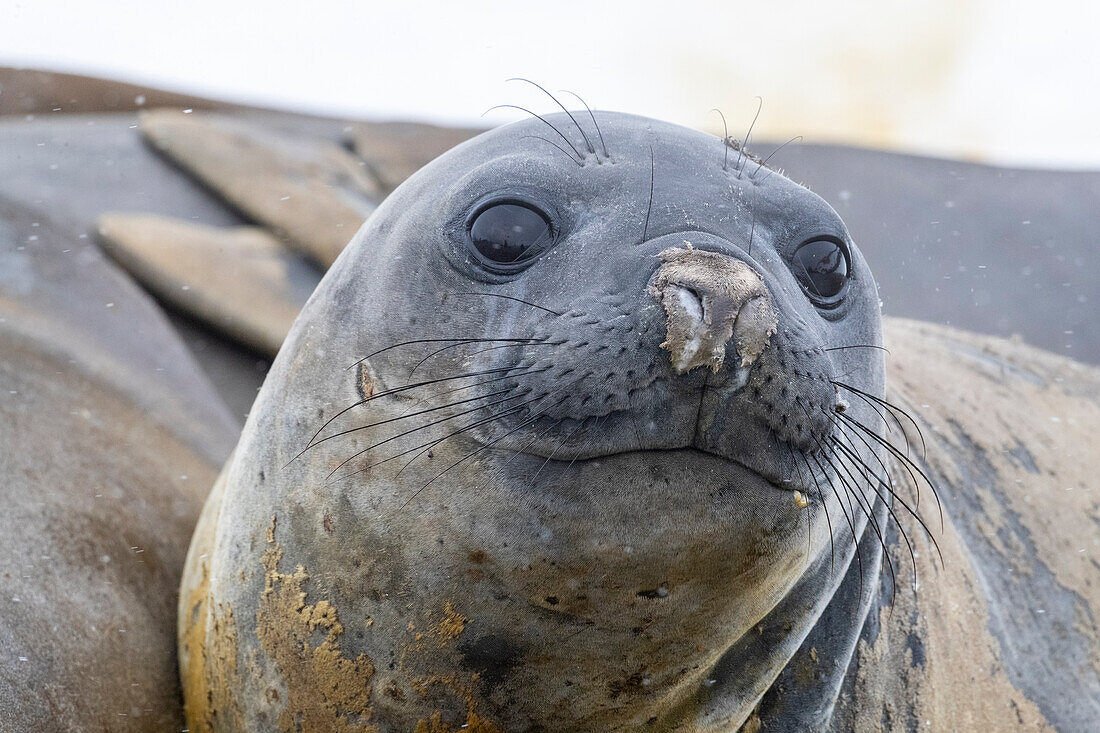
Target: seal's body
(109, 438)
(593, 446)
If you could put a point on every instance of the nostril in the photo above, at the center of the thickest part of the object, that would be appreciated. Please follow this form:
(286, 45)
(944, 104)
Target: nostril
(691, 302)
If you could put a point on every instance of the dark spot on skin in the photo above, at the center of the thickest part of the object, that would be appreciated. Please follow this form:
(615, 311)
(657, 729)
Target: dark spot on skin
(632, 684)
(327, 523)
(1023, 457)
(477, 556)
(551, 600)
(262, 477)
(364, 385)
(392, 690)
(492, 657)
(916, 646)
(660, 592)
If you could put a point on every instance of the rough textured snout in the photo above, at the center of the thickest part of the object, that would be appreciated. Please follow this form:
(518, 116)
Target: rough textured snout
(709, 299)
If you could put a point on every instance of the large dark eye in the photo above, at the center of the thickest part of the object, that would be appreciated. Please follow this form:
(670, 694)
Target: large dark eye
(508, 235)
(821, 265)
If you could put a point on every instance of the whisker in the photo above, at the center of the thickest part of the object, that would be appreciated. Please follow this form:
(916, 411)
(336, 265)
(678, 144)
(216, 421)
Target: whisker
(408, 415)
(802, 483)
(867, 472)
(867, 508)
(437, 441)
(906, 461)
(543, 120)
(824, 505)
(421, 341)
(587, 142)
(752, 225)
(649, 207)
(532, 342)
(725, 140)
(423, 427)
(596, 124)
(858, 346)
(883, 413)
(558, 447)
(887, 485)
(851, 525)
(518, 300)
(478, 384)
(764, 162)
(889, 406)
(512, 346)
(467, 457)
(534, 417)
(440, 351)
(886, 444)
(396, 390)
(576, 162)
(744, 146)
(528, 444)
(588, 440)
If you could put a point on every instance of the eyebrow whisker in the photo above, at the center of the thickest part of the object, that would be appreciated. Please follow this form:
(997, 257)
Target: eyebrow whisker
(540, 118)
(587, 141)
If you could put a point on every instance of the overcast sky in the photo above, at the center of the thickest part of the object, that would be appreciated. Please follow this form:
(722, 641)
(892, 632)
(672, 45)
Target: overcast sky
(997, 80)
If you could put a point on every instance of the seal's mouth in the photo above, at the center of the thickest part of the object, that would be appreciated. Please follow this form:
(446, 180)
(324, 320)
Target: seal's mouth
(775, 471)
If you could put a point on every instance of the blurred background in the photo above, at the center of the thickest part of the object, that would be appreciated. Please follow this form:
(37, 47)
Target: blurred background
(999, 81)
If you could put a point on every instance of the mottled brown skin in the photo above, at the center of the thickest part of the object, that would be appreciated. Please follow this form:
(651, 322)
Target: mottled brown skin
(1010, 434)
(1004, 635)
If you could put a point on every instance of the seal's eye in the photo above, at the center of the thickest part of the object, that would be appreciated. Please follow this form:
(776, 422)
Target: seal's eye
(821, 265)
(509, 235)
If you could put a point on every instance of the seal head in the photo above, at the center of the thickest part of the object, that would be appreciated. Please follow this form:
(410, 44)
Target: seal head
(591, 469)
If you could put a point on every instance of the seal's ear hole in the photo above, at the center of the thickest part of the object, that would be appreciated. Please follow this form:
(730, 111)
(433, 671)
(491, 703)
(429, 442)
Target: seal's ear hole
(507, 236)
(822, 266)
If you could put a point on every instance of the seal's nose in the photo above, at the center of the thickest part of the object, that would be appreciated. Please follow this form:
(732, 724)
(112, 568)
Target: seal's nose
(710, 299)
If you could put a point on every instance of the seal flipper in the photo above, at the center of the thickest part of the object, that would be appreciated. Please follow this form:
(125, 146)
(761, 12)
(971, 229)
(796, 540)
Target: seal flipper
(312, 194)
(395, 150)
(239, 280)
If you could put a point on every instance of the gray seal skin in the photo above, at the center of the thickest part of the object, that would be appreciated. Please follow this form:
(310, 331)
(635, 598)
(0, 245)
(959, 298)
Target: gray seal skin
(625, 516)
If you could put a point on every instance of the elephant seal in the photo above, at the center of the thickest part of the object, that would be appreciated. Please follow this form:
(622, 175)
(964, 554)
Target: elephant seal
(110, 436)
(611, 438)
